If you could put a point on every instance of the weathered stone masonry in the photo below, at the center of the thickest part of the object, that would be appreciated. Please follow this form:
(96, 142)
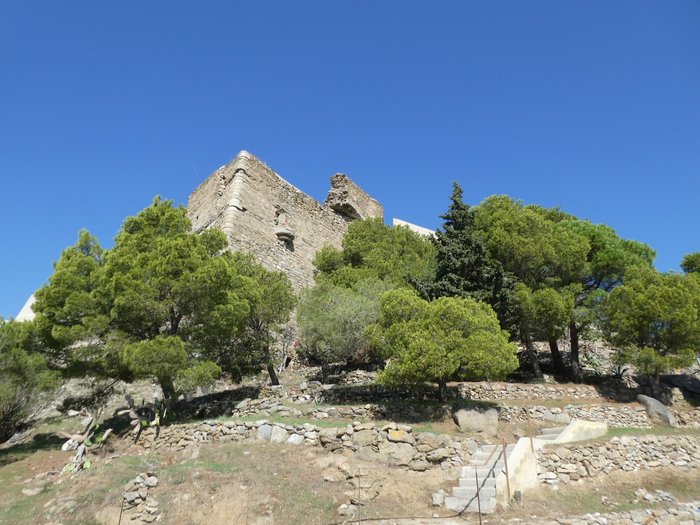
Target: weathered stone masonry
(263, 214)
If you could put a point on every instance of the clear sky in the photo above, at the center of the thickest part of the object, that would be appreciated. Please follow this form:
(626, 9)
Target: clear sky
(590, 105)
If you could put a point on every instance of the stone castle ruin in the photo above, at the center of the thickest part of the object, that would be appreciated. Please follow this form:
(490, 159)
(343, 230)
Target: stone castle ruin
(263, 214)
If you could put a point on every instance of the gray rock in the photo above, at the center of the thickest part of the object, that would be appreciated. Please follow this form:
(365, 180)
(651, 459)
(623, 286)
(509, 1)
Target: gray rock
(347, 510)
(400, 453)
(295, 439)
(400, 436)
(477, 420)
(419, 465)
(327, 435)
(131, 496)
(151, 481)
(278, 435)
(364, 437)
(563, 452)
(559, 418)
(657, 411)
(264, 432)
(439, 498)
(438, 455)
(32, 492)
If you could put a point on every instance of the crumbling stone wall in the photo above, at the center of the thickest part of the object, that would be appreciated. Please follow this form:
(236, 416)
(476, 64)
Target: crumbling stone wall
(263, 214)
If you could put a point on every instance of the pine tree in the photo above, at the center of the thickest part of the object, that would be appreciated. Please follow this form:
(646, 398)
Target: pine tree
(464, 268)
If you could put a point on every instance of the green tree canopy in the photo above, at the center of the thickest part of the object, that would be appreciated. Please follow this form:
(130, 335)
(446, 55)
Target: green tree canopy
(271, 300)
(538, 250)
(463, 266)
(691, 263)
(160, 303)
(449, 338)
(607, 262)
(332, 320)
(374, 258)
(545, 313)
(654, 320)
(23, 375)
(530, 245)
(371, 249)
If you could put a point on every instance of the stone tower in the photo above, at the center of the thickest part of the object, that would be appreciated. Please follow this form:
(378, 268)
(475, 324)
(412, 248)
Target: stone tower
(263, 214)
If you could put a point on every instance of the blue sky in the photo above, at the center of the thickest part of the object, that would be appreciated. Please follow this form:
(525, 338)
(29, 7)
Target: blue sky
(590, 105)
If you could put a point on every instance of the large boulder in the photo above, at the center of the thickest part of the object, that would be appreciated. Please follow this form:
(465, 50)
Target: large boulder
(396, 453)
(657, 411)
(477, 420)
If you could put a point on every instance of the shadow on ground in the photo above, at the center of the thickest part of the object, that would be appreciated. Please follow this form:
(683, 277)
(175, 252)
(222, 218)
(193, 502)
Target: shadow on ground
(15, 452)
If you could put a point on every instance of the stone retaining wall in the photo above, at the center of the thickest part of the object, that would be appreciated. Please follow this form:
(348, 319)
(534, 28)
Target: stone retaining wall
(315, 392)
(391, 444)
(632, 415)
(494, 391)
(567, 463)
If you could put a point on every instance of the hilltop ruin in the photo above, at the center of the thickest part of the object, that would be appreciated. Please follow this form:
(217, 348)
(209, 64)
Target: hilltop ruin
(263, 214)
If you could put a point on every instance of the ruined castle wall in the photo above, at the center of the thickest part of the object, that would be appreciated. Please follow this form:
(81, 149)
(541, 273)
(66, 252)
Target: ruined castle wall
(348, 199)
(206, 204)
(263, 214)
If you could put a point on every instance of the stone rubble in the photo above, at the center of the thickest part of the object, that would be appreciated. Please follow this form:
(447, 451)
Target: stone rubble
(138, 505)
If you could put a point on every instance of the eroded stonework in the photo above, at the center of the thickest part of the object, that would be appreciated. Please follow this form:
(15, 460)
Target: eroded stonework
(263, 214)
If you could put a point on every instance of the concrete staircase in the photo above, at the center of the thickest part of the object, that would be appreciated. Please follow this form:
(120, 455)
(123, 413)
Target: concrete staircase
(485, 465)
(488, 466)
(550, 434)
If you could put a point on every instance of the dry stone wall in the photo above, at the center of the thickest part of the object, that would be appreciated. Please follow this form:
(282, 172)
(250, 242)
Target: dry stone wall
(630, 453)
(493, 391)
(629, 415)
(266, 216)
(391, 444)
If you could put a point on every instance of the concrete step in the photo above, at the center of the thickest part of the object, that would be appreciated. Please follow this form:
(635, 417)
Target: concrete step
(468, 471)
(470, 493)
(487, 449)
(470, 482)
(483, 473)
(480, 457)
(460, 505)
(550, 431)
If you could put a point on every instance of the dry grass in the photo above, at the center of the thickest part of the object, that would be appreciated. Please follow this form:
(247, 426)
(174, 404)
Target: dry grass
(619, 487)
(246, 484)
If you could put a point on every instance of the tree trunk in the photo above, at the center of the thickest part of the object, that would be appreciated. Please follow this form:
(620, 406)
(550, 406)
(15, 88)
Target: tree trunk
(166, 384)
(442, 390)
(532, 356)
(575, 366)
(556, 356)
(656, 386)
(274, 380)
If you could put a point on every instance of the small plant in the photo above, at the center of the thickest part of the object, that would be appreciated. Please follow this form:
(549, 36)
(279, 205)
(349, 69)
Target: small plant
(83, 443)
